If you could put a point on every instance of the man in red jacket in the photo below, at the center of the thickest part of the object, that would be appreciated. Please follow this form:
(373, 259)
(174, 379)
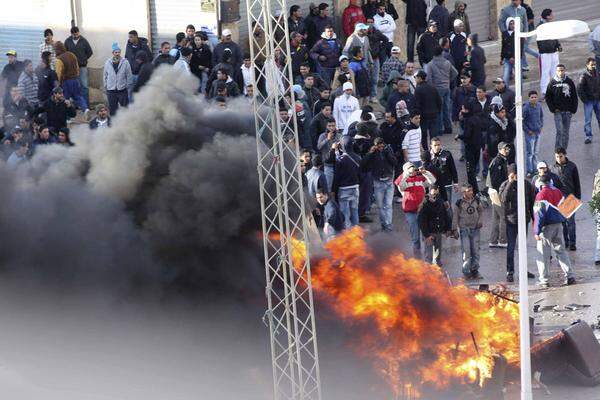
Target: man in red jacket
(352, 15)
(412, 183)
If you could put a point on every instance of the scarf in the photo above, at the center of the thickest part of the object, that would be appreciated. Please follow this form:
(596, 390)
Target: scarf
(502, 122)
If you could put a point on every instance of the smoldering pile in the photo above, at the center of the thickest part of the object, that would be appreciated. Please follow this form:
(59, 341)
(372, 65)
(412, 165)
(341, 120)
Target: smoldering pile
(169, 194)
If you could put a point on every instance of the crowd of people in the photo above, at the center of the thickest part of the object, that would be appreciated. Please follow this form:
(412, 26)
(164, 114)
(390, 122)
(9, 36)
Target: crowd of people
(342, 80)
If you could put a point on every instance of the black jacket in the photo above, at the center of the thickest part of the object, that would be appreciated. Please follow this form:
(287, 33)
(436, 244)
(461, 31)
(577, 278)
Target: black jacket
(378, 43)
(508, 100)
(562, 95)
(144, 75)
(82, 50)
(416, 11)
(94, 123)
(508, 199)
(472, 134)
(58, 113)
(458, 49)
(296, 26)
(201, 56)
(131, 51)
(548, 46)
(569, 178)
(498, 171)
(346, 170)
(589, 86)
(477, 62)
(46, 82)
(393, 135)
(163, 59)
(381, 164)
(508, 45)
(18, 110)
(426, 46)
(442, 166)
(428, 101)
(396, 96)
(433, 217)
(495, 135)
(441, 15)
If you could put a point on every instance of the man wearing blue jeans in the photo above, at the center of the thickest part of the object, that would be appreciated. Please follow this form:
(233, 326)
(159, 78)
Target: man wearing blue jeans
(346, 179)
(561, 98)
(589, 93)
(533, 122)
(468, 220)
(79, 46)
(380, 161)
(441, 74)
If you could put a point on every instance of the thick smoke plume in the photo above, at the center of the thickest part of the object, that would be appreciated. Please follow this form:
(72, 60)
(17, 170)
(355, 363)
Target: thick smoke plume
(169, 194)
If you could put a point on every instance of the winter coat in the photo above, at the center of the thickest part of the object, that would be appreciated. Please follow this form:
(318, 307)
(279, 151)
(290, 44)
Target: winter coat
(413, 189)
(460, 96)
(393, 135)
(477, 62)
(589, 86)
(351, 16)
(330, 48)
(346, 171)
(378, 43)
(508, 198)
(131, 51)
(396, 96)
(299, 55)
(57, 113)
(119, 79)
(545, 209)
(428, 101)
(569, 178)
(440, 73)
(426, 46)
(81, 49)
(236, 54)
(433, 217)
(472, 133)
(321, 23)
(508, 99)
(201, 57)
(442, 166)
(296, 26)
(440, 14)
(498, 171)
(454, 15)
(381, 164)
(561, 95)
(47, 81)
(416, 11)
(508, 45)
(495, 135)
(458, 49)
(94, 123)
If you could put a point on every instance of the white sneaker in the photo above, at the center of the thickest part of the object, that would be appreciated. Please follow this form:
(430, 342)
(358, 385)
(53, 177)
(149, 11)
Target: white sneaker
(502, 245)
(492, 245)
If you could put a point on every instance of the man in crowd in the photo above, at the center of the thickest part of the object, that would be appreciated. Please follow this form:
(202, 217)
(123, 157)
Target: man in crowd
(323, 20)
(48, 45)
(227, 43)
(384, 22)
(439, 13)
(547, 229)
(509, 202)
(315, 177)
(10, 74)
(549, 50)
(589, 93)
(352, 15)
(567, 172)
(393, 63)
(135, 44)
(533, 122)
(402, 93)
(380, 161)
(295, 20)
(28, 84)
(117, 75)
(325, 143)
(164, 56)
(434, 221)
(392, 133)
(183, 62)
(102, 119)
(344, 106)
(428, 43)
(476, 60)
(412, 184)
(440, 163)
(416, 23)
(330, 215)
(458, 45)
(79, 46)
(468, 220)
(326, 53)
(498, 173)
(442, 75)
(17, 106)
(409, 75)
(346, 179)
(505, 95)
(561, 97)
(460, 12)
(412, 142)
(47, 79)
(429, 103)
(67, 71)
(58, 110)
(544, 170)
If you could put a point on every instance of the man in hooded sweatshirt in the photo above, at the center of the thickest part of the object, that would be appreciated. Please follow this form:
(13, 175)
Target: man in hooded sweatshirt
(561, 98)
(460, 12)
(67, 70)
(344, 106)
(326, 53)
(117, 74)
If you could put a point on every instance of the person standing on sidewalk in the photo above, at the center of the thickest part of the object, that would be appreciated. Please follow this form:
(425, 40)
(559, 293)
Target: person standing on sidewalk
(589, 93)
(498, 173)
(441, 74)
(434, 221)
(567, 172)
(380, 161)
(416, 22)
(79, 46)
(561, 97)
(549, 50)
(412, 184)
(468, 220)
(508, 199)
(547, 229)
(533, 122)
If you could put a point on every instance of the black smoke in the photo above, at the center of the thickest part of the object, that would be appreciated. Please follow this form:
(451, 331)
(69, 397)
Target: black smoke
(168, 197)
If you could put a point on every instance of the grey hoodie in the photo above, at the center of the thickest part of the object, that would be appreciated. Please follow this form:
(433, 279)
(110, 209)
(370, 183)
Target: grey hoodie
(119, 79)
(467, 213)
(440, 72)
(510, 11)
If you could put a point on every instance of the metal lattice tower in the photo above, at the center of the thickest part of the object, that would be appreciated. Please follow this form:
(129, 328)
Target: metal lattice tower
(290, 314)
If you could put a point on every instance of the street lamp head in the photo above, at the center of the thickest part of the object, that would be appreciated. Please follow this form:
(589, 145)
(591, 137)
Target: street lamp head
(561, 29)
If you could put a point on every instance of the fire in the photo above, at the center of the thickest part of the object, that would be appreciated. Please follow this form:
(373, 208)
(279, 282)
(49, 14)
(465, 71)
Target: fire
(417, 329)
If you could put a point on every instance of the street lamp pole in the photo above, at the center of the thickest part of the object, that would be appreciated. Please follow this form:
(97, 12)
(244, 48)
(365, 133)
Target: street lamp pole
(547, 31)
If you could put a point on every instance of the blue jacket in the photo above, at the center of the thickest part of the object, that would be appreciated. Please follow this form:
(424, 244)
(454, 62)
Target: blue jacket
(330, 48)
(533, 118)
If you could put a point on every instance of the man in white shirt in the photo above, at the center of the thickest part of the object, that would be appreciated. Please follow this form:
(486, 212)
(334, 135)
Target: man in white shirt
(247, 73)
(409, 75)
(384, 22)
(183, 62)
(411, 145)
(344, 106)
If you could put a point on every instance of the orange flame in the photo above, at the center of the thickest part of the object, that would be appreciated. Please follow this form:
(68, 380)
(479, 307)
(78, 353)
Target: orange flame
(416, 328)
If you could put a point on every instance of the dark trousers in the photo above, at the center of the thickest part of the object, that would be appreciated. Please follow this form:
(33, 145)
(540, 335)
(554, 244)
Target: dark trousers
(511, 237)
(365, 193)
(117, 98)
(412, 33)
(429, 129)
(72, 90)
(569, 233)
(472, 159)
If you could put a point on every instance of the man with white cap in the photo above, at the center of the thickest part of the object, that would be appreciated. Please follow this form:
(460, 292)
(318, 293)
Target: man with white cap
(228, 43)
(344, 106)
(343, 69)
(458, 45)
(326, 53)
(359, 39)
(393, 63)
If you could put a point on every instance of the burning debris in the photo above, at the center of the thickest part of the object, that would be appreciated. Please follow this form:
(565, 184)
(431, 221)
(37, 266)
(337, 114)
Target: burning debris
(419, 332)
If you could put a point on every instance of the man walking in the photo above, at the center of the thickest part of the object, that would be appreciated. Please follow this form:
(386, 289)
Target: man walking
(567, 172)
(440, 163)
(469, 220)
(441, 74)
(547, 229)
(433, 222)
(380, 161)
(561, 97)
(117, 74)
(346, 179)
(429, 102)
(416, 12)
(498, 173)
(589, 93)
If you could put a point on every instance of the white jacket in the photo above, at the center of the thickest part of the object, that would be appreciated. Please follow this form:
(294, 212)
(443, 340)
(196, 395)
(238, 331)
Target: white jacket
(385, 25)
(343, 107)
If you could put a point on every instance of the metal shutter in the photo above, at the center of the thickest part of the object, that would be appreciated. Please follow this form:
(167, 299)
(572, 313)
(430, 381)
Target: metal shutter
(22, 29)
(479, 17)
(585, 10)
(167, 17)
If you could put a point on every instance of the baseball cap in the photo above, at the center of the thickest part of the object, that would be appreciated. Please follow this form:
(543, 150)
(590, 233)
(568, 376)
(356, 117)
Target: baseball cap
(395, 49)
(343, 57)
(347, 86)
(226, 32)
(407, 165)
(542, 164)
(360, 26)
(11, 53)
(498, 80)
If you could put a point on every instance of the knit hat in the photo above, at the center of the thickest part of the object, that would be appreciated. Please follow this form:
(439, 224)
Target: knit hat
(100, 107)
(343, 57)
(407, 166)
(457, 22)
(347, 86)
(115, 47)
